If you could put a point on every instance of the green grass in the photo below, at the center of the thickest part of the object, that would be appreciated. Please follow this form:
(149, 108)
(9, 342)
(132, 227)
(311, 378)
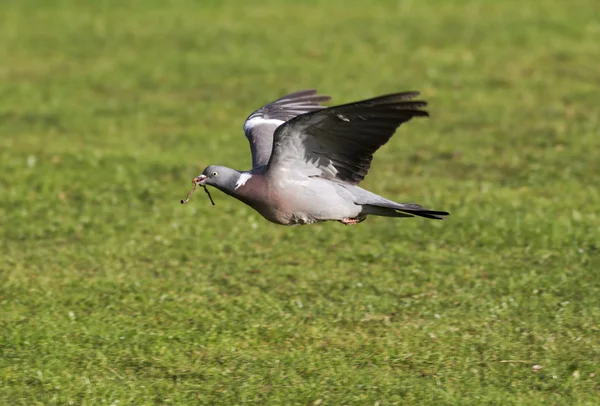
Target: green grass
(113, 293)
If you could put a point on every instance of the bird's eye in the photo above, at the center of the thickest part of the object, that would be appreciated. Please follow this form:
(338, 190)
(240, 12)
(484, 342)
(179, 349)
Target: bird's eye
(214, 174)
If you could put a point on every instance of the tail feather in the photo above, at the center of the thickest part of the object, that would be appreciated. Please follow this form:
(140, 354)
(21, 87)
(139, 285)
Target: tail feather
(429, 214)
(420, 211)
(393, 209)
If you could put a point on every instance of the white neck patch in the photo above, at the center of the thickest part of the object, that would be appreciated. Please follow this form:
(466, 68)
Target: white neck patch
(242, 180)
(254, 121)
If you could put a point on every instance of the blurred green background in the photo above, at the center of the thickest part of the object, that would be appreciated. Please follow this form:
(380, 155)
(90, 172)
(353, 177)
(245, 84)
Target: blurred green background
(113, 293)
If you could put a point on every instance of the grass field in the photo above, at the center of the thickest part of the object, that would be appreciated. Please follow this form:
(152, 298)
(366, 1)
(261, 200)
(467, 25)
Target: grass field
(113, 293)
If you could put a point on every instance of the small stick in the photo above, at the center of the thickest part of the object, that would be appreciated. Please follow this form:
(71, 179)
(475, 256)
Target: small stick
(187, 199)
(209, 196)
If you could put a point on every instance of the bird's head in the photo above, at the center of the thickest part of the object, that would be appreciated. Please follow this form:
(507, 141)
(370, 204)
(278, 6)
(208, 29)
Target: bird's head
(221, 177)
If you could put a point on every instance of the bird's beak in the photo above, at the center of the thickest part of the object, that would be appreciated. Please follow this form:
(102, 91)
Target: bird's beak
(200, 180)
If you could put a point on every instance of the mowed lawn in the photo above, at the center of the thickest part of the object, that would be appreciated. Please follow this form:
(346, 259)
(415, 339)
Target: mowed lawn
(113, 293)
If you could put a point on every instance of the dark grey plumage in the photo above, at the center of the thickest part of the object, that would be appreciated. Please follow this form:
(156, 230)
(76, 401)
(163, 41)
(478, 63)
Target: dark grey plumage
(291, 105)
(260, 125)
(347, 136)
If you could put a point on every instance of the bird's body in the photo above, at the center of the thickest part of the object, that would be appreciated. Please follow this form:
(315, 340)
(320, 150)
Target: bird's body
(296, 199)
(308, 160)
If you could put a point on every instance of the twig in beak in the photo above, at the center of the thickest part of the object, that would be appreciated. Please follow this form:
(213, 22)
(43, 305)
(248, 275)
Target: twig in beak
(209, 196)
(187, 199)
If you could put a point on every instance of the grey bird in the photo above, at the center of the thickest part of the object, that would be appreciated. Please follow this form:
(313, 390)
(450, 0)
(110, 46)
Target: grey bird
(308, 159)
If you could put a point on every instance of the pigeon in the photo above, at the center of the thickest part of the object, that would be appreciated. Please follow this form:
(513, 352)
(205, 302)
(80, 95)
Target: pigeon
(308, 159)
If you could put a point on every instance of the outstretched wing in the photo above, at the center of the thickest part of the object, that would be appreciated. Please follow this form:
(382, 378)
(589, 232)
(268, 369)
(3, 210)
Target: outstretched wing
(339, 142)
(261, 125)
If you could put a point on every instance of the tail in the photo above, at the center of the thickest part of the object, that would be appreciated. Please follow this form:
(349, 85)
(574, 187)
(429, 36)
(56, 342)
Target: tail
(393, 209)
(380, 206)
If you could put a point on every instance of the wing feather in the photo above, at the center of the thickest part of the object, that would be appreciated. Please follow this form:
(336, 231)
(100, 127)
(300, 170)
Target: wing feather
(260, 126)
(339, 142)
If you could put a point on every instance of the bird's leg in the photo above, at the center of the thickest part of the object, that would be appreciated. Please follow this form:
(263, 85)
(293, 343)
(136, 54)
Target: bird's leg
(352, 221)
